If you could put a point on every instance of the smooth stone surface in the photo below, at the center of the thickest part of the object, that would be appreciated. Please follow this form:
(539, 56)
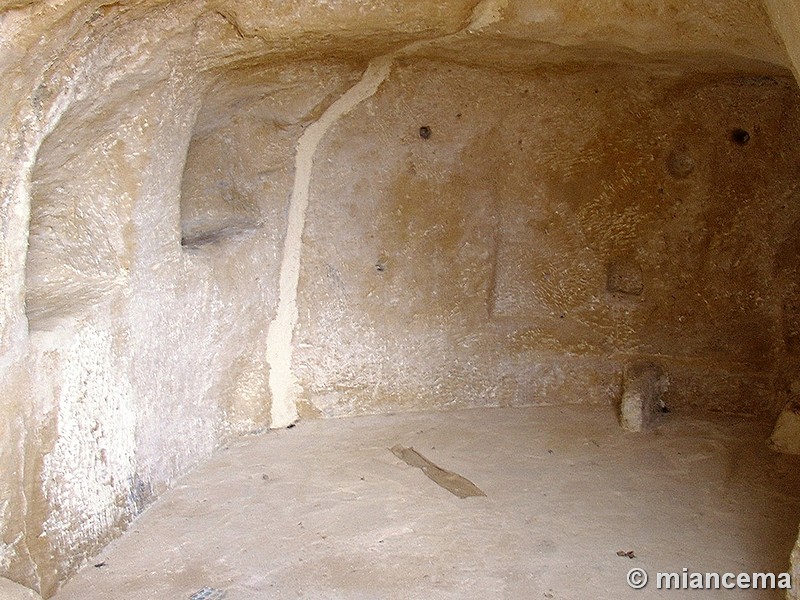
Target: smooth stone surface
(325, 510)
(13, 591)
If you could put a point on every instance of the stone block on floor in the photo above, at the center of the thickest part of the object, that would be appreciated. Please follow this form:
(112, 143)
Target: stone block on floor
(642, 407)
(785, 437)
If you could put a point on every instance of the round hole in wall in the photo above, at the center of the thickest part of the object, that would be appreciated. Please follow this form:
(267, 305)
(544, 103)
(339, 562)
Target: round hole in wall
(740, 136)
(424, 132)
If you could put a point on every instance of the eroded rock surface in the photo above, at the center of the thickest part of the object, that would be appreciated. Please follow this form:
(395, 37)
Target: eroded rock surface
(153, 235)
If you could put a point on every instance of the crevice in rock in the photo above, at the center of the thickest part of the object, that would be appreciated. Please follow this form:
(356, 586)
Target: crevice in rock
(283, 383)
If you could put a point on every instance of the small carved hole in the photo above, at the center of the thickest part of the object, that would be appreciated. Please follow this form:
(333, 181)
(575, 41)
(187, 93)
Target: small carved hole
(740, 136)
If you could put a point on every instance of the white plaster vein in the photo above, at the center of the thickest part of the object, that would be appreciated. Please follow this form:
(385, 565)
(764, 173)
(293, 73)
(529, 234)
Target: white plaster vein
(282, 381)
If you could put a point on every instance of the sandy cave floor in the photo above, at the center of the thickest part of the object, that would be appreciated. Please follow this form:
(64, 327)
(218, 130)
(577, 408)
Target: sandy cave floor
(325, 510)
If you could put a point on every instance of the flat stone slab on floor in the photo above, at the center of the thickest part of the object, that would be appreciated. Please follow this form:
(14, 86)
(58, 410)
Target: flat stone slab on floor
(325, 511)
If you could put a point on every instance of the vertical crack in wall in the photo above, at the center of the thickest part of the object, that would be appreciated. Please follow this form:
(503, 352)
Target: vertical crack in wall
(282, 382)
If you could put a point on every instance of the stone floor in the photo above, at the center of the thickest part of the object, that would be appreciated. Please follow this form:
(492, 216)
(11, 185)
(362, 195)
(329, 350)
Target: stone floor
(325, 510)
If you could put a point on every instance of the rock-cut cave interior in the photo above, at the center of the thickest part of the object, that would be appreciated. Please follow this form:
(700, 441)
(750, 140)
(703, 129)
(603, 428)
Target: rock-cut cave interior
(400, 299)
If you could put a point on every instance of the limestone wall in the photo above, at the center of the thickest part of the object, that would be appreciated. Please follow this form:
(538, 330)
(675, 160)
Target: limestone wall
(785, 16)
(215, 216)
(477, 266)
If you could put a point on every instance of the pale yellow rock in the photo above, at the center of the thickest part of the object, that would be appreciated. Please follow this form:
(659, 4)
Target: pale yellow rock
(642, 406)
(213, 211)
(786, 435)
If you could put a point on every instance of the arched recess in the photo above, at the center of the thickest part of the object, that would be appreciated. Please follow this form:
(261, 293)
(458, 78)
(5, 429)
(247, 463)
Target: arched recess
(83, 187)
(239, 166)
